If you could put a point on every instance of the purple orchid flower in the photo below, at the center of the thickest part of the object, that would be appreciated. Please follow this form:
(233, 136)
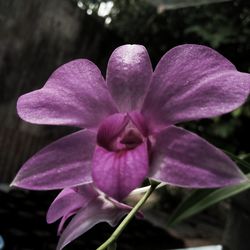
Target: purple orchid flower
(127, 129)
(127, 122)
(89, 205)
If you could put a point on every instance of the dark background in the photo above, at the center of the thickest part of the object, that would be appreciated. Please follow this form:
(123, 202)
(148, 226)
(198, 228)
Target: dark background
(36, 36)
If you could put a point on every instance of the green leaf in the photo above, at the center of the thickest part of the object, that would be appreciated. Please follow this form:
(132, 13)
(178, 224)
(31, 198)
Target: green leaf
(204, 198)
(201, 199)
(244, 165)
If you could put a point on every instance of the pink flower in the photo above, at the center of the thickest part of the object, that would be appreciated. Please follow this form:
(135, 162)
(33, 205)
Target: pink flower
(127, 124)
(89, 205)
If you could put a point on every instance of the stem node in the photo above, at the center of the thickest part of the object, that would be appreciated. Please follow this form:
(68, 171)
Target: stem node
(112, 239)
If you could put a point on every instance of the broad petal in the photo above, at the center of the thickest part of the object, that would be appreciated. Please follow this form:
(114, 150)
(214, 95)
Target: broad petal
(193, 82)
(74, 95)
(128, 75)
(70, 200)
(64, 163)
(183, 159)
(97, 211)
(118, 173)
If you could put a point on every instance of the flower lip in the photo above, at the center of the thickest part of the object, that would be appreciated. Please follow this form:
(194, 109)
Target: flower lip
(120, 132)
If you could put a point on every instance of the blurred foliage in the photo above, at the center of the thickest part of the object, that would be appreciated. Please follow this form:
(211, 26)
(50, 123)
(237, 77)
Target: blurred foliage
(201, 199)
(223, 26)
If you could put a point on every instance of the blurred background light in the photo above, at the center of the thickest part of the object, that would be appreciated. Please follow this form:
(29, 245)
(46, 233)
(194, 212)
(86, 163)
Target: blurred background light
(1, 243)
(105, 8)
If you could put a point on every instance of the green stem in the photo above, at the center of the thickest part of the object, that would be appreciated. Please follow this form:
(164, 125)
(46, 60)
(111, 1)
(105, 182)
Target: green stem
(129, 217)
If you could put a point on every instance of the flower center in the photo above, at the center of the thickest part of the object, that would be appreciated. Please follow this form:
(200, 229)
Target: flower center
(122, 132)
(131, 138)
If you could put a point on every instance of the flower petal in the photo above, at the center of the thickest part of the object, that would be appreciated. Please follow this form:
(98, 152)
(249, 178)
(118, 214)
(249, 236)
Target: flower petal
(62, 222)
(74, 95)
(184, 159)
(128, 75)
(64, 163)
(70, 200)
(118, 173)
(97, 211)
(192, 82)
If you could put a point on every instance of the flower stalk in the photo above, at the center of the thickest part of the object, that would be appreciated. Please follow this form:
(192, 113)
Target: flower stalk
(128, 218)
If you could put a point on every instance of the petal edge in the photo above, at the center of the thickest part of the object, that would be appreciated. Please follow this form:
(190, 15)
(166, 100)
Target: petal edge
(182, 158)
(64, 163)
